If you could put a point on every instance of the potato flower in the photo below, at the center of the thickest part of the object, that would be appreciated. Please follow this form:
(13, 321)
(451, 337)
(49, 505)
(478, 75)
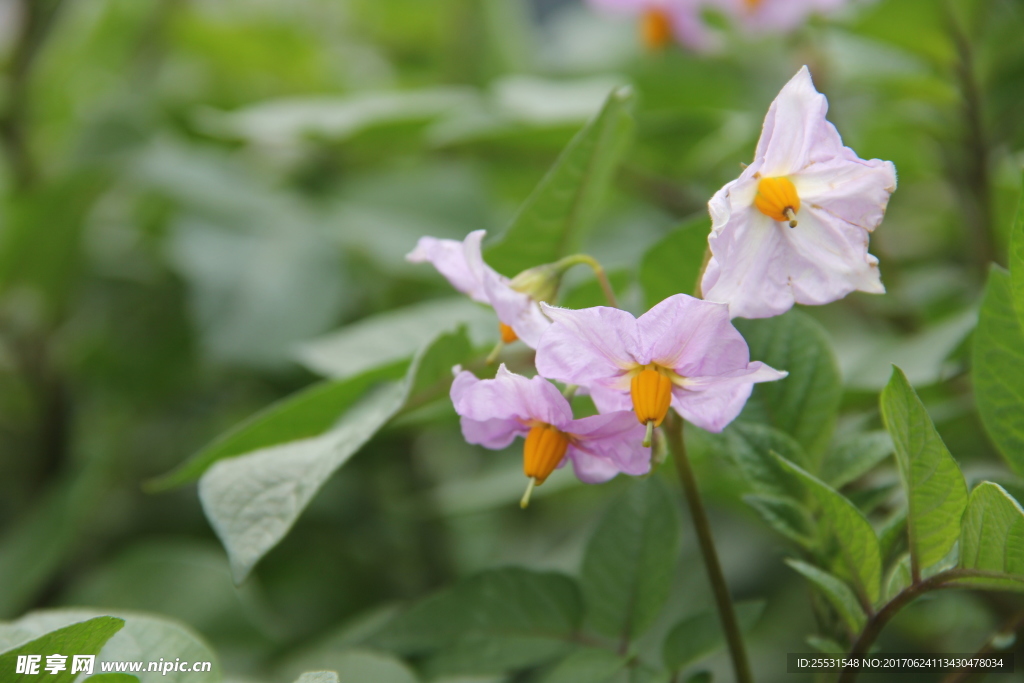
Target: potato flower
(794, 226)
(495, 411)
(462, 263)
(756, 16)
(682, 353)
(662, 21)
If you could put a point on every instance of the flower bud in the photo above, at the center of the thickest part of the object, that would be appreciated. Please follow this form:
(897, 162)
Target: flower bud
(540, 283)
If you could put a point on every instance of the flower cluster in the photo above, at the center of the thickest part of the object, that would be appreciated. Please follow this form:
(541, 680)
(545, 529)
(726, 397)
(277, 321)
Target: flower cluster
(662, 21)
(793, 228)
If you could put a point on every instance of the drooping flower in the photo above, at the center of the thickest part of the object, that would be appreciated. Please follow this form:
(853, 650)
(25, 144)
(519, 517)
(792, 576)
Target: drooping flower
(495, 411)
(682, 353)
(756, 16)
(794, 226)
(462, 263)
(662, 21)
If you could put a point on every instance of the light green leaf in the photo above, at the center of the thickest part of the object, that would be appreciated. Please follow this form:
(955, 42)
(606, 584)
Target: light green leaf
(673, 264)
(143, 638)
(253, 500)
(750, 446)
(593, 665)
(1017, 258)
(552, 221)
(855, 457)
(836, 592)
(804, 404)
(642, 673)
(497, 620)
(700, 635)
(935, 488)
(993, 531)
(900, 577)
(393, 336)
(303, 415)
(999, 369)
(856, 539)
(629, 563)
(786, 516)
(322, 677)
(83, 638)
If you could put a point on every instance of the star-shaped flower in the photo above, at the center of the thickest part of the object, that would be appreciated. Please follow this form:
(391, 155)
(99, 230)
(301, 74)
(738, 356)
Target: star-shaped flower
(495, 411)
(662, 21)
(684, 352)
(462, 263)
(794, 226)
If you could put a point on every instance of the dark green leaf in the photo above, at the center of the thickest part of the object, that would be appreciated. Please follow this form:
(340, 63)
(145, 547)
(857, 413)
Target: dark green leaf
(999, 369)
(855, 457)
(852, 532)
(629, 562)
(699, 636)
(836, 592)
(1017, 258)
(804, 404)
(252, 500)
(494, 621)
(993, 531)
(673, 264)
(935, 488)
(751, 446)
(552, 221)
(593, 665)
(786, 516)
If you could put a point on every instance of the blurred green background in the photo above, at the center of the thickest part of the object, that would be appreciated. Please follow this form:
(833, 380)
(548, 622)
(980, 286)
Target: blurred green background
(191, 189)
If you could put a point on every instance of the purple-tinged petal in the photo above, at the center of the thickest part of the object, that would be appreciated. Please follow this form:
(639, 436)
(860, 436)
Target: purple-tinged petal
(711, 403)
(517, 310)
(746, 246)
(590, 469)
(449, 258)
(692, 337)
(855, 190)
(796, 133)
(511, 397)
(616, 437)
(494, 434)
(587, 346)
(612, 399)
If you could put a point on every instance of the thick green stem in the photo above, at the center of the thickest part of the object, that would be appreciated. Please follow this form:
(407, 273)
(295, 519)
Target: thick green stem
(723, 601)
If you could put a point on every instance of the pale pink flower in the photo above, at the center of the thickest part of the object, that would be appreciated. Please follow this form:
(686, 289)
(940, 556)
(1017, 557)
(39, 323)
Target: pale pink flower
(794, 226)
(756, 16)
(495, 411)
(462, 263)
(664, 20)
(684, 352)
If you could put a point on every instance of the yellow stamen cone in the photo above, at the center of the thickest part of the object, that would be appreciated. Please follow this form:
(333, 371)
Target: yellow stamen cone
(777, 199)
(544, 448)
(652, 395)
(655, 29)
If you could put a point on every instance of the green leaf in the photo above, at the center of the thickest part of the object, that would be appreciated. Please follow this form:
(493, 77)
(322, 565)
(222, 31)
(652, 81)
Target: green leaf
(143, 638)
(786, 516)
(552, 221)
(322, 677)
(497, 620)
(629, 563)
(305, 414)
(751, 447)
(935, 488)
(84, 638)
(393, 336)
(856, 539)
(1016, 257)
(253, 500)
(993, 531)
(855, 457)
(642, 673)
(700, 635)
(999, 369)
(594, 665)
(674, 263)
(805, 403)
(836, 592)
(900, 576)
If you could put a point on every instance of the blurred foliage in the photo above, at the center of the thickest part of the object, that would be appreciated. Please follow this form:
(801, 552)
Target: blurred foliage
(205, 206)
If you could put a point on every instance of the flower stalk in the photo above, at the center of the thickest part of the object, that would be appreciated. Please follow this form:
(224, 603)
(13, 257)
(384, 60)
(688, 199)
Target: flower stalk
(723, 601)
